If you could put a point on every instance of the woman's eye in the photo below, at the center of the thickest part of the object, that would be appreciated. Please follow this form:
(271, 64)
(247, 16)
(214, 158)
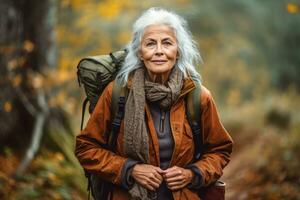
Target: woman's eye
(150, 44)
(168, 43)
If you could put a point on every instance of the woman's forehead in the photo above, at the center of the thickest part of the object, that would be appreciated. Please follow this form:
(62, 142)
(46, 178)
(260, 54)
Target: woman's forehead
(154, 31)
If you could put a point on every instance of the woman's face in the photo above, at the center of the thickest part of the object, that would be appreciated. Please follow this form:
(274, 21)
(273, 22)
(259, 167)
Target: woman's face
(159, 50)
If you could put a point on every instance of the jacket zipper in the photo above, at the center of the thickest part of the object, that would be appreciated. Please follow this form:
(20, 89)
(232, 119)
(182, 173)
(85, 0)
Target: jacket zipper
(162, 121)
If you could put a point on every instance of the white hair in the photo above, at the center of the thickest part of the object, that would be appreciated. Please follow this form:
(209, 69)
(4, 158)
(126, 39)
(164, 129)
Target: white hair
(189, 55)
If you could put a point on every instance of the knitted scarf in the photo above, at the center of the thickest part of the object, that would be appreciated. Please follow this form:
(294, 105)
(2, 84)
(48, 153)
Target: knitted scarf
(136, 141)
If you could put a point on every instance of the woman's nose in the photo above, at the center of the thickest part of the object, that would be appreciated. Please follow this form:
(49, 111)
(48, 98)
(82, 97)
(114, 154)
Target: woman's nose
(159, 50)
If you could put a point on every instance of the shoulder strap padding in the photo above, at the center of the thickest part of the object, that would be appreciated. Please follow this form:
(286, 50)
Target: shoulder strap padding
(194, 103)
(117, 109)
(193, 106)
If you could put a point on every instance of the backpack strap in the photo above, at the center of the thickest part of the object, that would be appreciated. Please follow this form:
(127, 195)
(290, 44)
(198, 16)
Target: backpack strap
(83, 112)
(99, 188)
(193, 113)
(117, 112)
(117, 109)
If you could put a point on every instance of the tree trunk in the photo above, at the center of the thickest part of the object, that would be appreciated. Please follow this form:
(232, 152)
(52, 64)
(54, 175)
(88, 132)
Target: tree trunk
(26, 46)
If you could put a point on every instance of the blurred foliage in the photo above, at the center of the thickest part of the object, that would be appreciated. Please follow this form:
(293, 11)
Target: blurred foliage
(258, 41)
(278, 118)
(50, 177)
(266, 134)
(251, 64)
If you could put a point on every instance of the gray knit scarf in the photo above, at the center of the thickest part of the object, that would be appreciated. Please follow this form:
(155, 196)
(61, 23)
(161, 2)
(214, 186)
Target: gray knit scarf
(136, 141)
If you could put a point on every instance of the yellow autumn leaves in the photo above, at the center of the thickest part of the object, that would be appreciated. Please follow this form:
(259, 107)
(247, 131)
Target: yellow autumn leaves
(7, 106)
(292, 8)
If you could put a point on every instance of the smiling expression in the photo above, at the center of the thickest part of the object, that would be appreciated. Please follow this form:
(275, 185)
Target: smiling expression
(159, 50)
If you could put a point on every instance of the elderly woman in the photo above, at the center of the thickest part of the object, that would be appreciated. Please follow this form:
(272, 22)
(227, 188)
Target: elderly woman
(153, 156)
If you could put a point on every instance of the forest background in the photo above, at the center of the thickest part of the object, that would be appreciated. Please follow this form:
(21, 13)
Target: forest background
(251, 53)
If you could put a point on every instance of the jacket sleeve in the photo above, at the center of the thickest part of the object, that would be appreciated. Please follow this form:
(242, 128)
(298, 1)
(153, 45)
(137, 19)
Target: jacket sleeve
(217, 142)
(88, 150)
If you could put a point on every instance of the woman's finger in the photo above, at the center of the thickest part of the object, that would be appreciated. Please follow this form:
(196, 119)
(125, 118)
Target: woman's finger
(173, 173)
(157, 175)
(148, 186)
(153, 177)
(146, 183)
(174, 179)
(147, 176)
(170, 169)
(175, 183)
(176, 187)
(159, 170)
(154, 183)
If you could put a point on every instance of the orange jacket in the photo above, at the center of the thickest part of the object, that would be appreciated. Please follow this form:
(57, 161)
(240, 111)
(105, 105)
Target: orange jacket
(216, 155)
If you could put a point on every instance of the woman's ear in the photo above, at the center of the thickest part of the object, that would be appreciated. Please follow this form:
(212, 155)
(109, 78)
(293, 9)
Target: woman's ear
(140, 55)
(177, 56)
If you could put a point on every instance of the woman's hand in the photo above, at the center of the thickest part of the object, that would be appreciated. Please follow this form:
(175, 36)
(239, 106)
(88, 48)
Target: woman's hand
(177, 177)
(147, 175)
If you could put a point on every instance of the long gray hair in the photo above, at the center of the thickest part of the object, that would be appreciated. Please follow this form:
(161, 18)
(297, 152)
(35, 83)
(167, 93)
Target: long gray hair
(189, 55)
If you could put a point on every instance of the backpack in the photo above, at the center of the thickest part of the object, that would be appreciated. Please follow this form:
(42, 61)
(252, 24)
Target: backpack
(94, 73)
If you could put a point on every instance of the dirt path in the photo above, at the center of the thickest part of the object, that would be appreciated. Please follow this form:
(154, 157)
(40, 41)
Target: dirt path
(239, 169)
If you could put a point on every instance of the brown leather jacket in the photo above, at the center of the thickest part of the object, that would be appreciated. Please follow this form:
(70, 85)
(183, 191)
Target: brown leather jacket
(109, 165)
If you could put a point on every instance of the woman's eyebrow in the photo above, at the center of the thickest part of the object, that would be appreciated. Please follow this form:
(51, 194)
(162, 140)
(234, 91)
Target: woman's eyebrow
(164, 39)
(149, 39)
(168, 38)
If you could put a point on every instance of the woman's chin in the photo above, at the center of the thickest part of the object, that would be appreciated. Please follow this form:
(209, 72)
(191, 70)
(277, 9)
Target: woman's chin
(160, 70)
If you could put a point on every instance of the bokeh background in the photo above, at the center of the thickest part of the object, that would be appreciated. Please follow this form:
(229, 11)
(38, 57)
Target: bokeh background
(251, 53)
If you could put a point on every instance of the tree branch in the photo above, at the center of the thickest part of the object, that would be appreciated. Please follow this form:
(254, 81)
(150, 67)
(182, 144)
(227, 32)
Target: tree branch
(37, 132)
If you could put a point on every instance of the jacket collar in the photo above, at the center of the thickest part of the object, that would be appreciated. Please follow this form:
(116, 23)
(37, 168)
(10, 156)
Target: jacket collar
(188, 85)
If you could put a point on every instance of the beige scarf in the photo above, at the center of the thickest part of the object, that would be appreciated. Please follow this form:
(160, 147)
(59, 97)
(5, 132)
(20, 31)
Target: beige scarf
(136, 141)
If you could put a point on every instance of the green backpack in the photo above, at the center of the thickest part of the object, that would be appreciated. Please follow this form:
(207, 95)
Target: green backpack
(94, 73)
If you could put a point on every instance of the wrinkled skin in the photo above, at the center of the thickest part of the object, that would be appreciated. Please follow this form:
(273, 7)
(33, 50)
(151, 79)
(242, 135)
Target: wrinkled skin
(159, 51)
(151, 177)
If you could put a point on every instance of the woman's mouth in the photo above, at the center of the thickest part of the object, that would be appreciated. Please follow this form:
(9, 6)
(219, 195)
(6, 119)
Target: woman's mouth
(159, 62)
